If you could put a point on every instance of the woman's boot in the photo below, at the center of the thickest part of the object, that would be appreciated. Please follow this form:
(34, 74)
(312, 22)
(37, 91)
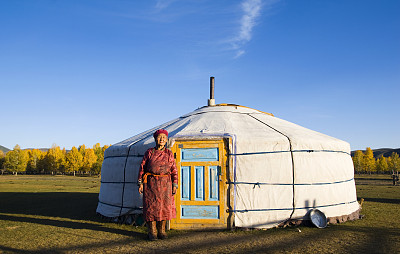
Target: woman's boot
(161, 230)
(152, 227)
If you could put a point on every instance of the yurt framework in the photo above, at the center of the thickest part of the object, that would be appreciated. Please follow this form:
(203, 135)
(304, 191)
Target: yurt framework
(238, 168)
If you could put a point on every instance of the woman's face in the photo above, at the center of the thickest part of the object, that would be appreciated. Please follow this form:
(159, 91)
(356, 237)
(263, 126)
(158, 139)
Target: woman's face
(161, 139)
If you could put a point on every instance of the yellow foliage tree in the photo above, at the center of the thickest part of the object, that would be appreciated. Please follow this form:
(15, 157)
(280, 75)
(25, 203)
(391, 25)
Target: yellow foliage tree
(89, 158)
(73, 160)
(382, 165)
(34, 157)
(105, 148)
(96, 168)
(55, 159)
(394, 162)
(82, 149)
(99, 151)
(96, 147)
(369, 161)
(16, 160)
(358, 161)
(2, 159)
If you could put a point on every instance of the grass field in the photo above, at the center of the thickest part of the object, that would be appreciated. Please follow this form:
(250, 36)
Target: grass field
(56, 214)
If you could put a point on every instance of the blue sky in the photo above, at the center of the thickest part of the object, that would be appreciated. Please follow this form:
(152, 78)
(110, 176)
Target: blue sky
(78, 72)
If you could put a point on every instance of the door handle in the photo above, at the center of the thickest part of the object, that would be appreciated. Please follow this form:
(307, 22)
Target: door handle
(219, 173)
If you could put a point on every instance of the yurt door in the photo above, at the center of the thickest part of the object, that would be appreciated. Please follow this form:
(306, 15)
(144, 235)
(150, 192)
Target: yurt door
(200, 200)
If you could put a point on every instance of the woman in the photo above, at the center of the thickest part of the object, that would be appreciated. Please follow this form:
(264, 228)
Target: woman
(158, 181)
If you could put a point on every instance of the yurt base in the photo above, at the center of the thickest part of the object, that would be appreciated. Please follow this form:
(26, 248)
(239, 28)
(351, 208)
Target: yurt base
(339, 219)
(128, 219)
(137, 220)
(330, 220)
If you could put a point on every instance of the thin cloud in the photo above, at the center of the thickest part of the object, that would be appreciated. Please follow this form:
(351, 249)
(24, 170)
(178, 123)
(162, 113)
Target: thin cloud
(239, 53)
(162, 4)
(251, 11)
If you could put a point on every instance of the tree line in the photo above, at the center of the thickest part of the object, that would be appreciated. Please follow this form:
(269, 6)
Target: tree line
(89, 160)
(55, 160)
(365, 162)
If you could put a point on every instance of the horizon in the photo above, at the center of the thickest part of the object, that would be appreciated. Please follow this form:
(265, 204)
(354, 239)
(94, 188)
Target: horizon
(91, 146)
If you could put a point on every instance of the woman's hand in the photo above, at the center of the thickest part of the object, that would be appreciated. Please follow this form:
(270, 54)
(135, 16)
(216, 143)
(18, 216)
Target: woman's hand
(141, 188)
(173, 190)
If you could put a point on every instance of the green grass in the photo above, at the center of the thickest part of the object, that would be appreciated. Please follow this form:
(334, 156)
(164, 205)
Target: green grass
(56, 214)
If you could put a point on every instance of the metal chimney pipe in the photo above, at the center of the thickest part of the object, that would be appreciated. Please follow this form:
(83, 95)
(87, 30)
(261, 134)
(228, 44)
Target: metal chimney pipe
(211, 87)
(211, 101)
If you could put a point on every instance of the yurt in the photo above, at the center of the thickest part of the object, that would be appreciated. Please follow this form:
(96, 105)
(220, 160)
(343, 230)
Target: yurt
(237, 167)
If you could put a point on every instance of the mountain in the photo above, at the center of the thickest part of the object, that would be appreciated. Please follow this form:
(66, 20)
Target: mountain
(385, 152)
(41, 149)
(4, 149)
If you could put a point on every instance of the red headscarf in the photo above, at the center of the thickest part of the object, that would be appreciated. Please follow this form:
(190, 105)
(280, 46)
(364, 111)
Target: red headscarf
(159, 132)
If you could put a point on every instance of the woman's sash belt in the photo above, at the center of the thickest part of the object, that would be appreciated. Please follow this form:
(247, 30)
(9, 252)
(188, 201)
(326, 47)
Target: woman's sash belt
(151, 174)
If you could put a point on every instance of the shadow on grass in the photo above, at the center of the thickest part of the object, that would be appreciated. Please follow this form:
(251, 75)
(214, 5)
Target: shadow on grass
(382, 200)
(370, 239)
(72, 205)
(80, 248)
(71, 224)
(82, 206)
(335, 239)
(388, 179)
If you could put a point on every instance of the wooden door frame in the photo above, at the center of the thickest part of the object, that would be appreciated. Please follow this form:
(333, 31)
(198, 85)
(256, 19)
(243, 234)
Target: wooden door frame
(226, 190)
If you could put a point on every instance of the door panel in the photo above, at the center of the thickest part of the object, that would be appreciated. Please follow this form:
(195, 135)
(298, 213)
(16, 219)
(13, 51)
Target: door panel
(199, 154)
(200, 212)
(214, 183)
(199, 182)
(201, 171)
(185, 183)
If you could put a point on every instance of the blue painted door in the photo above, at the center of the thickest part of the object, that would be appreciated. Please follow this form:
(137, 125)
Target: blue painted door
(200, 199)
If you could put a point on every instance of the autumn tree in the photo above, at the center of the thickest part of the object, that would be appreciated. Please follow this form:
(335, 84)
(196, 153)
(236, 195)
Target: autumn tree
(381, 165)
(394, 162)
(98, 151)
(73, 160)
(82, 149)
(16, 160)
(358, 161)
(34, 157)
(2, 159)
(89, 158)
(54, 159)
(369, 161)
(104, 148)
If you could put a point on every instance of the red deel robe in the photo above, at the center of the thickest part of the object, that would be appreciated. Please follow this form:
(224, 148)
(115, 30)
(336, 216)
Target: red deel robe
(158, 201)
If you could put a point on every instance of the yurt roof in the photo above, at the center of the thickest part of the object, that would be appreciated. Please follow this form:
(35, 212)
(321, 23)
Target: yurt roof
(253, 131)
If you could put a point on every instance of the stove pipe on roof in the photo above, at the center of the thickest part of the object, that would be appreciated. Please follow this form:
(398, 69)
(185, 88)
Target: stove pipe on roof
(211, 101)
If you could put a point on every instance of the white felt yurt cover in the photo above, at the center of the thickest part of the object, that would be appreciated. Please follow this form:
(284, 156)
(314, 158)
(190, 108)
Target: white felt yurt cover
(281, 170)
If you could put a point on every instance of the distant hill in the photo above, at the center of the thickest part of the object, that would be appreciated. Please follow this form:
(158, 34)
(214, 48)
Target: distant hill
(41, 149)
(386, 152)
(4, 149)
